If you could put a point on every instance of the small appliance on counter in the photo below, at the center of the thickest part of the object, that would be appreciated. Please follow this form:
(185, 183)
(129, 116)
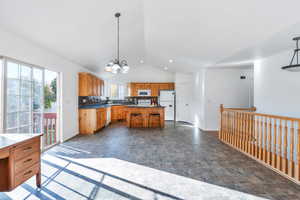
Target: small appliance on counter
(144, 102)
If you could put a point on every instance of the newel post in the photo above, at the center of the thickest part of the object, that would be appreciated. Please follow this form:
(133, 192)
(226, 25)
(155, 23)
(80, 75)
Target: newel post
(221, 120)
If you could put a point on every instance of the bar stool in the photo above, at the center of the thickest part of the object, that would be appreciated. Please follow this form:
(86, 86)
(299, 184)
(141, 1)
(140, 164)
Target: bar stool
(136, 120)
(154, 120)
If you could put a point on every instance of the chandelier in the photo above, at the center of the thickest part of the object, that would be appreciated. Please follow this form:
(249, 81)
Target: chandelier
(116, 66)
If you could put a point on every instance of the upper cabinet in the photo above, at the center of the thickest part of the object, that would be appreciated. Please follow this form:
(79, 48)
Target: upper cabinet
(90, 85)
(154, 87)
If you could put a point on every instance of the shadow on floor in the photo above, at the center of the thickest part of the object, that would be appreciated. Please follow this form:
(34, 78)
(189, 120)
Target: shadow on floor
(109, 178)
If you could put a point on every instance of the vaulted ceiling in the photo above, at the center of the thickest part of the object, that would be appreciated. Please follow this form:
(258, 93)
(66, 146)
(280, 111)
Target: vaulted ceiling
(193, 33)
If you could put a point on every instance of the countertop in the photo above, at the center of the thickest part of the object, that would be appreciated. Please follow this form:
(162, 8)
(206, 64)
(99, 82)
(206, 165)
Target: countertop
(137, 106)
(9, 139)
(95, 106)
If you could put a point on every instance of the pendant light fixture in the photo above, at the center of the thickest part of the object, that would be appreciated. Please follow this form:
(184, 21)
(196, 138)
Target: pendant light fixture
(294, 67)
(116, 66)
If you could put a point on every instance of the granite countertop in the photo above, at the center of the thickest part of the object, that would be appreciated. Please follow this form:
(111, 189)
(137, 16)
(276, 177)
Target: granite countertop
(140, 106)
(9, 139)
(95, 106)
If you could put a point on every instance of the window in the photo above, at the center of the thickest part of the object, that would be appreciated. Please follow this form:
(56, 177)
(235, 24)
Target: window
(114, 94)
(23, 97)
(116, 91)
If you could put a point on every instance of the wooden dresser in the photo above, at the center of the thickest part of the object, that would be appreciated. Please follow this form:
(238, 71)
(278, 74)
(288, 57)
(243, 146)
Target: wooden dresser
(19, 160)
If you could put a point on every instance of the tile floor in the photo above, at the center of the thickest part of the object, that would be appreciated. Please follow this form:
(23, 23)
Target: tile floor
(170, 163)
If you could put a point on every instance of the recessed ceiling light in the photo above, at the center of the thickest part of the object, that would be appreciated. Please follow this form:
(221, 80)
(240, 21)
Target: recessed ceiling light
(171, 61)
(166, 68)
(141, 61)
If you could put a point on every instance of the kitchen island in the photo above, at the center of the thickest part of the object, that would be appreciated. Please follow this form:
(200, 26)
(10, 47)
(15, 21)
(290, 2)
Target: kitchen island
(145, 116)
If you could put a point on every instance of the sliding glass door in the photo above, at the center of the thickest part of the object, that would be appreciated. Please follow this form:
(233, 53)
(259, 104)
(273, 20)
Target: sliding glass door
(29, 91)
(24, 95)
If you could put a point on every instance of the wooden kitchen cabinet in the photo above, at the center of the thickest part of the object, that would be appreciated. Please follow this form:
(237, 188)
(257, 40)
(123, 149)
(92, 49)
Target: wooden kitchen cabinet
(154, 87)
(90, 85)
(133, 89)
(118, 113)
(91, 120)
(85, 84)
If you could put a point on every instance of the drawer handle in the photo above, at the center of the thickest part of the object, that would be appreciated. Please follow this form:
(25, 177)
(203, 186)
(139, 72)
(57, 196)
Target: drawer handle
(27, 148)
(28, 160)
(29, 172)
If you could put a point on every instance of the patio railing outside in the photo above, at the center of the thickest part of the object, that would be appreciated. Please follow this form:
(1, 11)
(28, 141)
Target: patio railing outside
(50, 128)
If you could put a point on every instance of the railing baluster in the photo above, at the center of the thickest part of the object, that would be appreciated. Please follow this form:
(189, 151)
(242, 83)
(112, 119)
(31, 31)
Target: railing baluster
(265, 140)
(269, 156)
(242, 132)
(279, 155)
(246, 133)
(250, 134)
(285, 163)
(274, 152)
(298, 153)
(261, 138)
(291, 160)
(235, 129)
(232, 132)
(228, 129)
(257, 137)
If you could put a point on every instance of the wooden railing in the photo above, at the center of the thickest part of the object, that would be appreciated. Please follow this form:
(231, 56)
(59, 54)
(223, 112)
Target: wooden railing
(272, 140)
(49, 125)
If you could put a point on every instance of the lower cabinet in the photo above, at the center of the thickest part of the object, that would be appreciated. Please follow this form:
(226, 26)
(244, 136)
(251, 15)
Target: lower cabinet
(118, 113)
(91, 120)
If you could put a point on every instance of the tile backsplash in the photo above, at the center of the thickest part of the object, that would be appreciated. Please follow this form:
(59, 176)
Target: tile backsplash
(88, 100)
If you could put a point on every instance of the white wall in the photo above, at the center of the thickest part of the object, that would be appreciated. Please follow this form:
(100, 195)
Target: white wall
(224, 86)
(276, 91)
(199, 95)
(198, 99)
(20, 49)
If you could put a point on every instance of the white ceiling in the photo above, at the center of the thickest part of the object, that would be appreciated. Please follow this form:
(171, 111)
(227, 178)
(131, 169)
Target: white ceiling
(194, 33)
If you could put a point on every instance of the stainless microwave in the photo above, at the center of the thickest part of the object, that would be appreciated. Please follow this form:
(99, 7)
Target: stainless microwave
(144, 92)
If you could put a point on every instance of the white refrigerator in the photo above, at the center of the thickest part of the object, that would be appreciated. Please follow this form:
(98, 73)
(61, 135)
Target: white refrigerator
(167, 99)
